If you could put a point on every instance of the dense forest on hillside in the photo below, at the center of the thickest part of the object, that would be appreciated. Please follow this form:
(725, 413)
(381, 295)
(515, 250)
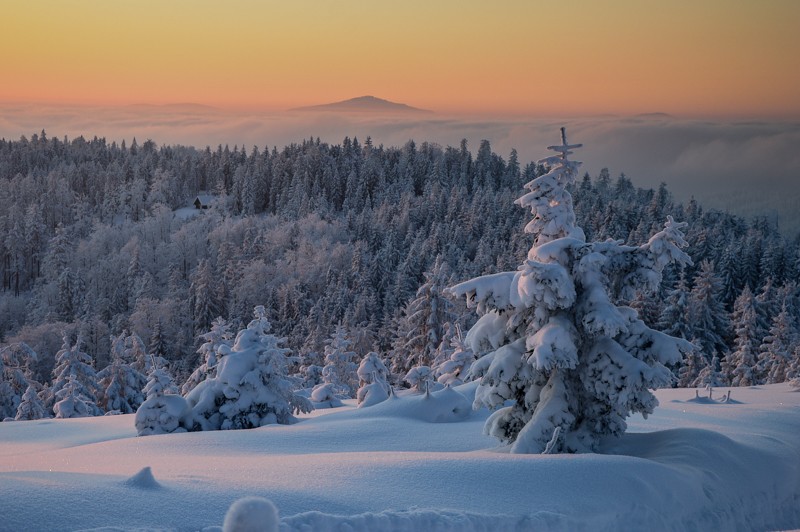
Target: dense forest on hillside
(97, 239)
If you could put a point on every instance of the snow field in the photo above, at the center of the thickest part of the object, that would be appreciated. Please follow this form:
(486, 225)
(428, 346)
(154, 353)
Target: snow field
(691, 465)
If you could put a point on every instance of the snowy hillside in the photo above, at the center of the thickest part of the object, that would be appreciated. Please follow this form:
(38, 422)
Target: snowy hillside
(695, 464)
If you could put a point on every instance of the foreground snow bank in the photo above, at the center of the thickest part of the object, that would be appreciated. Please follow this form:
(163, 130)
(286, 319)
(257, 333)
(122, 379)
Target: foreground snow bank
(716, 466)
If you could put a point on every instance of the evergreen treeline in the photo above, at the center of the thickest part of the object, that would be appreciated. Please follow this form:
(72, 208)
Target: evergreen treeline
(93, 243)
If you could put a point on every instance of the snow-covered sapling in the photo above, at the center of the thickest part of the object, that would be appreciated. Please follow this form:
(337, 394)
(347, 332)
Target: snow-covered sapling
(163, 411)
(251, 388)
(420, 378)
(455, 369)
(372, 376)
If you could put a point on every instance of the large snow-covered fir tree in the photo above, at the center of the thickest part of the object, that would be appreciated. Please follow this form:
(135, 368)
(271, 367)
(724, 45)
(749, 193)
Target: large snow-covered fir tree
(574, 363)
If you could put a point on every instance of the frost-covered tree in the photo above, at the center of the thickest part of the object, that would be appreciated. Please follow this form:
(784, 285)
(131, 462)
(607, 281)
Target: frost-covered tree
(707, 315)
(674, 318)
(373, 380)
(740, 365)
(15, 376)
(573, 363)
(159, 382)
(164, 411)
(205, 306)
(793, 373)
(74, 368)
(340, 366)
(31, 406)
(72, 402)
(121, 384)
(455, 370)
(775, 353)
(710, 375)
(694, 362)
(216, 343)
(425, 321)
(420, 378)
(251, 388)
(136, 353)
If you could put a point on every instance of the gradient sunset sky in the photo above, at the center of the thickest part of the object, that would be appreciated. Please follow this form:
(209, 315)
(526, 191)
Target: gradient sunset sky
(693, 58)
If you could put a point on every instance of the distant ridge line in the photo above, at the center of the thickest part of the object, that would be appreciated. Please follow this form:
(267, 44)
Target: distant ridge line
(369, 104)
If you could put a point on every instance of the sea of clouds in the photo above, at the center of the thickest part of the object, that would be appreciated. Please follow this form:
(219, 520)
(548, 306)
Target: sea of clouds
(750, 167)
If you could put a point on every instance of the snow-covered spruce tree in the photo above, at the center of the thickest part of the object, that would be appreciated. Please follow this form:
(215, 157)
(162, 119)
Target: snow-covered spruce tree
(425, 321)
(710, 375)
(776, 349)
(373, 381)
(72, 402)
(445, 348)
(420, 378)
(120, 383)
(707, 316)
(740, 365)
(31, 406)
(574, 363)
(164, 411)
(455, 370)
(217, 343)
(251, 388)
(340, 366)
(793, 373)
(694, 362)
(15, 377)
(74, 367)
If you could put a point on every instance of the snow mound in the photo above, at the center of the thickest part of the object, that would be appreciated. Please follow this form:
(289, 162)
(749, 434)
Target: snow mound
(144, 480)
(251, 514)
(443, 406)
(411, 521)
(711, 470)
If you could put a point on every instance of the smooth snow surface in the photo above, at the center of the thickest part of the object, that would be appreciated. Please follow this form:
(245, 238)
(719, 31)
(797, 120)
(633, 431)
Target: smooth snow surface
(690, 466)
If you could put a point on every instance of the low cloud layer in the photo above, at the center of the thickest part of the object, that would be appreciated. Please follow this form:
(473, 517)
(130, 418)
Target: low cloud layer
(747, 167)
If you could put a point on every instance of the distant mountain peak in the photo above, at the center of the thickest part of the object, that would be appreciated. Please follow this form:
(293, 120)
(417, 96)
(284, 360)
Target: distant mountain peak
(364, 104)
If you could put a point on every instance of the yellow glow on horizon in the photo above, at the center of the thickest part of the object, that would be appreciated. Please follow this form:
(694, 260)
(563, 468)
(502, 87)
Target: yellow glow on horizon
(707, 57)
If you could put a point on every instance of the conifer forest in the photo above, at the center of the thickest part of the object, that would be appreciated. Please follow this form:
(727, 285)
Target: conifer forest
(125, 260)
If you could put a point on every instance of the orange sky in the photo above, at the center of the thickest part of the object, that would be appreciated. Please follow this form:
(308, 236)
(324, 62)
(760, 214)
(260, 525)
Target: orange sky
(685, 57)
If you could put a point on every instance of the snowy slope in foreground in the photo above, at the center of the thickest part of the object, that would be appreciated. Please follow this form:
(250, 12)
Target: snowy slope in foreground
(690, 466)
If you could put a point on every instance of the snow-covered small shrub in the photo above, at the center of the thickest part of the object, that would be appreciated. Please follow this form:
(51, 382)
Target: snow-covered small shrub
(324, 396)
(455, 370)
(372, 376)
(163, 411)
(420, 378)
